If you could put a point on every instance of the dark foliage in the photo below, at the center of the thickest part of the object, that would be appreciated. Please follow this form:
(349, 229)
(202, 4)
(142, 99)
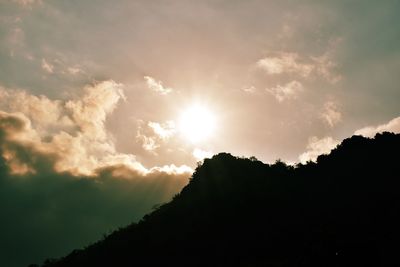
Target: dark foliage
(343, 210)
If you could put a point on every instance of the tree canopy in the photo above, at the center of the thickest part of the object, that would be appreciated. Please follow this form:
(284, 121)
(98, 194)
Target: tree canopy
(343, 210)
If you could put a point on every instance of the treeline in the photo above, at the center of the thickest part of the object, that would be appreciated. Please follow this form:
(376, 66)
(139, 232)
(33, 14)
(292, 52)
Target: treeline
(343, 210)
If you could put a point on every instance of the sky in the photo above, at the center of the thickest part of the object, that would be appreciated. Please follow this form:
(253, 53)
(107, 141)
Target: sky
(107, 106)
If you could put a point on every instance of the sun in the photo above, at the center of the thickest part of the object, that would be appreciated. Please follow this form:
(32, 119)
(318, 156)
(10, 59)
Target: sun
(197, 124)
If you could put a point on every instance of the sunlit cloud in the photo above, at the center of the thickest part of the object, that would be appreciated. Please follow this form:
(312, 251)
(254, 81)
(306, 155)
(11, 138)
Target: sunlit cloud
(331, 114)
(74, 70)
(61, 66)
(200, 154)
(301, 66)
(318, 146)
(164, 130)
(249, 89)
(45, 114)
(71, 134)
(370, 131)
(90, 112)
(287, 91)
(285, 63)
(55, 149)
(152, 135)
(170, 169)
(157, 86)
(149, 143)
(46, 66)
(48, 205)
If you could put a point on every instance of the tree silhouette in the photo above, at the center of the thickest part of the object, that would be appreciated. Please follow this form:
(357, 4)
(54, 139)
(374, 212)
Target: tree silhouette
(343, 210)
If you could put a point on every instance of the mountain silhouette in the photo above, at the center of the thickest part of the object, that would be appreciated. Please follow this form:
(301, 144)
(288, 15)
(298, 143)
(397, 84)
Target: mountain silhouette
(343, 210)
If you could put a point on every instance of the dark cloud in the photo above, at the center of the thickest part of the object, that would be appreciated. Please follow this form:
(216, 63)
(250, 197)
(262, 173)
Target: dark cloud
(48, 213)
(50, 204)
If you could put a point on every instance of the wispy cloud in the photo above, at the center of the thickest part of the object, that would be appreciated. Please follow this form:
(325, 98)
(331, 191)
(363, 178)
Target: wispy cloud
(163, 130)
(61, 66)
(152, 134)
(287, 91)
(285, 63)
(325, 67)
(74, 70)
(46, 66)
(157, 86)
(317, 146)
(249, 89)
(331, 114)
(302, 66)
(146, 138)
(370, 131)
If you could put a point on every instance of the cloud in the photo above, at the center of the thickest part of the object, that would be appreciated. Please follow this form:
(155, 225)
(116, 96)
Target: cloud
(62, 182)
(46, 115)
(74, 70)
(60, 65)
(200, 154)
(285, 63)
(152, 134)
(46, 66)
(90, 112)
(72, 131)
(370, 131)
(145, 136)
(148, 143)
(331, 114)
(249, 89)
(324, 145)
(163, 131)
(47, 214)
(304, 67)
(287, 91)
(325, 66)
(157, 86)
(316, 147)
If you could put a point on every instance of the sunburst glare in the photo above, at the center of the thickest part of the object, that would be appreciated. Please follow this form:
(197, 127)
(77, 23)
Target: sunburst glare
(197, 123)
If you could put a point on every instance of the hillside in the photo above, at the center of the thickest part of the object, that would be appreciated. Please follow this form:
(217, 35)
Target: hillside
(343, 210)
